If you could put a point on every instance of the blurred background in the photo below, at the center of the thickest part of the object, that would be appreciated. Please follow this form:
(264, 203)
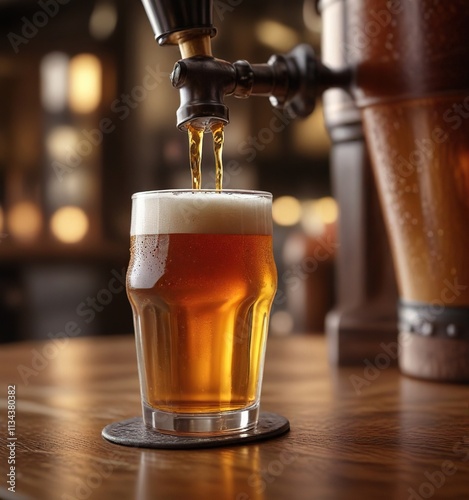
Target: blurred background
(87, 117)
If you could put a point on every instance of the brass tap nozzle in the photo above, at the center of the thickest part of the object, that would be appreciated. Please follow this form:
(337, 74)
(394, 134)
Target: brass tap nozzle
(191, 46)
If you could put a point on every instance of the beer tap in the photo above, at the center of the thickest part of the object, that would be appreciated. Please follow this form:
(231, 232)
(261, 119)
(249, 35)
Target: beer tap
(292, 81)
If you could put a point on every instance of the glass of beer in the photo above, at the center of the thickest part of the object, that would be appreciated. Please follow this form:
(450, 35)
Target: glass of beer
(201, 281)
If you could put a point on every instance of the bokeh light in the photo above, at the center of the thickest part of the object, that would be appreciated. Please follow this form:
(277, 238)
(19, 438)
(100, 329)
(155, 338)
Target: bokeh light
(85, 83)
(60, 141)
(54, 81)
(69, 224)
(275, 35)
(103, 20)
(286, 211)
(24, 221)
(327, 209)
(317, 214)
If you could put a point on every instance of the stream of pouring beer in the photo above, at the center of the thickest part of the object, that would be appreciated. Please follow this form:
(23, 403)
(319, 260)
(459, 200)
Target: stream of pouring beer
(218, 139)
(196, 137)
(195, 154)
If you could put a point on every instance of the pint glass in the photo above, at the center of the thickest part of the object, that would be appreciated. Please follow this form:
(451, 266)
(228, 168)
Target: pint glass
(201, 281)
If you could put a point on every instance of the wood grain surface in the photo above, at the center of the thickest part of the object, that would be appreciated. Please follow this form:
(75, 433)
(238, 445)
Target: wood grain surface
(364, 432)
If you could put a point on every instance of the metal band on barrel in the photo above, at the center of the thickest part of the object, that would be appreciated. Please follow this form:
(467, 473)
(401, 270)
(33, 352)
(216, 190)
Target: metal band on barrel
(429, 320)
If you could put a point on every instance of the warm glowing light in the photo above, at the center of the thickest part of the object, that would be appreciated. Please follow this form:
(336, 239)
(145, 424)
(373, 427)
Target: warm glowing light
(327, 209)
(286, 211)
(24, 221)
(103, 20)
(281, 323)
(54, 81)
(85, 83)
(61, 141)
(311, 221)
(276, 35)
(69, 224)
(316, 214)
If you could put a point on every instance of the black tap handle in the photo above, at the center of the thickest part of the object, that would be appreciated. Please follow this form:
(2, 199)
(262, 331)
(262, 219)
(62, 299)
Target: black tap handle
(292, 81)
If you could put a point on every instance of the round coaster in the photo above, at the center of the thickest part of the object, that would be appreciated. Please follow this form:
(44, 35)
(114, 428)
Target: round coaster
(133, 432)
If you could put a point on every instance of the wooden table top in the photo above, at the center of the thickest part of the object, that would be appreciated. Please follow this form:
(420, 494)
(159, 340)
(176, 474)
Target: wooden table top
(356, 433)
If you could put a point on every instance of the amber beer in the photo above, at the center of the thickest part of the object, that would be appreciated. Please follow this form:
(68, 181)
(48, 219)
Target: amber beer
(201, 281)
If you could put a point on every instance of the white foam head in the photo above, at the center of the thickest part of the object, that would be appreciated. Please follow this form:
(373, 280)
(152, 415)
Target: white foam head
(202, 212)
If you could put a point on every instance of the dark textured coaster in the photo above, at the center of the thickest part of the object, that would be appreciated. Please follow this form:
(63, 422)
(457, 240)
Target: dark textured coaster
(133, 432)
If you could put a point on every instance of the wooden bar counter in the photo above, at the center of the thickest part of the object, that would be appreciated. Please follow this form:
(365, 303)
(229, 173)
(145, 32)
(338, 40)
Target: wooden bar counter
(364, 432)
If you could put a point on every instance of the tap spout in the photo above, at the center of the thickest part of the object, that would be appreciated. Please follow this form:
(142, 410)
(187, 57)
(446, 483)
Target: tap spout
(203, 82)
